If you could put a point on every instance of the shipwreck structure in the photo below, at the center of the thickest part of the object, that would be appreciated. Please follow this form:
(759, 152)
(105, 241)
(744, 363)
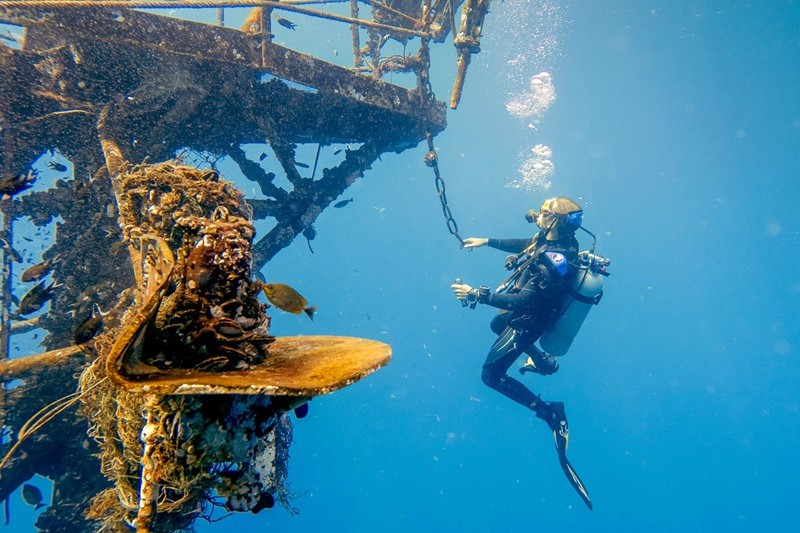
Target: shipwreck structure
(161, 384)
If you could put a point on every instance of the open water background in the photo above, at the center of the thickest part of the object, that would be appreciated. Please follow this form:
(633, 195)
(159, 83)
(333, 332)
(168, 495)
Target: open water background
(677, 127)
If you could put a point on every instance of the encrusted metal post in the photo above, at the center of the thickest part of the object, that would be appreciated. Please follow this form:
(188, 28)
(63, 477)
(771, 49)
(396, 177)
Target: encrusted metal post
(5, 275)
(266, 33)
(148, 490)
(5, 298)
(358, 60)
(468, 42)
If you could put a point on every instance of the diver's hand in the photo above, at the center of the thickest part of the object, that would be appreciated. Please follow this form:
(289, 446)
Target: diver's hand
(475, 242)
(461, 290)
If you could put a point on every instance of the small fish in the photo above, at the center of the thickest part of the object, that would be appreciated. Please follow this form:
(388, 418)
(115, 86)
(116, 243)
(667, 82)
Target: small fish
(286, 298)
(32, 495)
(36, 272)
(10, 250)
(58, 167)
(10, 38)
(89, 327)
(35, 298)
(342, 203)
(286, 23)
(301, 410)
(310, 234)
(337, 152)
(301, 165)
(262, 156)
(11, 185)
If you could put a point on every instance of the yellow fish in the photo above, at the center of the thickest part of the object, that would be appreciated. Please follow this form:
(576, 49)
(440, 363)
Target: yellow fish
(286, 298)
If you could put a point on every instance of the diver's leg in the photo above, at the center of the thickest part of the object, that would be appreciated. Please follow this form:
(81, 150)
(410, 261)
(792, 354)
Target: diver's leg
(499, 322)
(505, 350)
(502, 355)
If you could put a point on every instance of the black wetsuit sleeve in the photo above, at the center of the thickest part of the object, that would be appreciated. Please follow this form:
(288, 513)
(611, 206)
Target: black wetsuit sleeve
(512, 246)
(537, 281)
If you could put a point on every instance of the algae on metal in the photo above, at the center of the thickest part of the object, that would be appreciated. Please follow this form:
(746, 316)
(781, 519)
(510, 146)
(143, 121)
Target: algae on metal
(90, 77)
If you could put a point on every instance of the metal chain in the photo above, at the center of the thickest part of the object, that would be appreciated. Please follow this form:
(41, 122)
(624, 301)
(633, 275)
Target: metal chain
(432, 160)
(426, 96)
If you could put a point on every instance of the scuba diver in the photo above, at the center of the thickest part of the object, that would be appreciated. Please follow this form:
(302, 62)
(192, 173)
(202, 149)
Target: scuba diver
(546, 299)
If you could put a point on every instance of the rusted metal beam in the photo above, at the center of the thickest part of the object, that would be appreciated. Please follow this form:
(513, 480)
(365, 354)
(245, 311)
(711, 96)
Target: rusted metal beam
(154, 34)
(22, 367)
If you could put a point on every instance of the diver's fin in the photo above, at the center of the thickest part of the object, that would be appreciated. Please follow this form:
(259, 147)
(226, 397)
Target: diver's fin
(573, 478)
(529, 366)
(544, 364)
(556, 417)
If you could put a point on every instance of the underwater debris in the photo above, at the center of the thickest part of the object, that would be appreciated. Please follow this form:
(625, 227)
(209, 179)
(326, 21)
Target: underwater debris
(196, 314)
(206, 316)
(186, 449)
(157, 85)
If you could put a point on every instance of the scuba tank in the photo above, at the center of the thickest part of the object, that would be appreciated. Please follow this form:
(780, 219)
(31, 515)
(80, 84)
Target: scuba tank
(586, 291)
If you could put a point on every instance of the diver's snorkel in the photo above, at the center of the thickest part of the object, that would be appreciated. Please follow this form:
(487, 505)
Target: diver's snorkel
(594, 238)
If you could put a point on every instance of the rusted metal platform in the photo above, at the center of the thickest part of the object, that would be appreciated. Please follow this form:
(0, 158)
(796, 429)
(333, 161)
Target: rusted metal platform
(154, 86)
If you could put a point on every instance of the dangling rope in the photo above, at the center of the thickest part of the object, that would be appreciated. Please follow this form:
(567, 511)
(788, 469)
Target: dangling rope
(43, 416)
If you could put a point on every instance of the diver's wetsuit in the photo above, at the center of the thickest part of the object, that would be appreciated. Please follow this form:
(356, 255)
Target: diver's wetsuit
(528, 307)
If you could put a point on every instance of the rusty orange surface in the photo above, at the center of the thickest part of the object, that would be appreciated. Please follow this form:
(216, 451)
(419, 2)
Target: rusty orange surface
(296, 366)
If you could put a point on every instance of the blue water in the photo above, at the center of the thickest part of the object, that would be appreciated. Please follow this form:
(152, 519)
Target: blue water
(677, 127)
